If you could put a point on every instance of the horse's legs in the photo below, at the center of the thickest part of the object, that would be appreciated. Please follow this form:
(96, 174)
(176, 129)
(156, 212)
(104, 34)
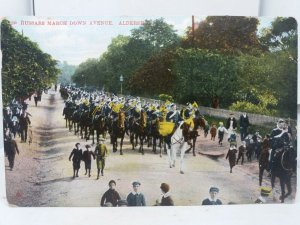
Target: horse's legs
(182, 151)
(282, 186)
(194, 143)
(142, 137)
(288, 184)
(136, 140)
(93, 135)
(154, 145)
(132, 139)
(161, 145)
(169, 153)
(261, 172)
(121, 144)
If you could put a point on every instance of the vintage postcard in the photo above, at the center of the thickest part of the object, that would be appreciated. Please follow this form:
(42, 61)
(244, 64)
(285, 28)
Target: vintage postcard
(149, 111)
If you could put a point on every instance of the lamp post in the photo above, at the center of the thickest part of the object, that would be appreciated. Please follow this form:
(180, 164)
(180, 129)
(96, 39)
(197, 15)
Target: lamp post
(83, 77)
(121, 80)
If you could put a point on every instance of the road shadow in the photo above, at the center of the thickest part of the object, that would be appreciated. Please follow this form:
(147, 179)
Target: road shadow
(63, 179)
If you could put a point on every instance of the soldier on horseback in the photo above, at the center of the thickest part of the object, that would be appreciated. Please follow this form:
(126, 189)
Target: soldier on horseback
(279, 138)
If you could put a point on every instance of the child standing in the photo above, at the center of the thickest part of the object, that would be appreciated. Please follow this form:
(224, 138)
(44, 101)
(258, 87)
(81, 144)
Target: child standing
(87, 158)
(221, 130)
(213, 131)
(232, 157)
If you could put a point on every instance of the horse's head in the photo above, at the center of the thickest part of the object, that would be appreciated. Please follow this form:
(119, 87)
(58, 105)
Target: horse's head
(199, 122)
(185, 130)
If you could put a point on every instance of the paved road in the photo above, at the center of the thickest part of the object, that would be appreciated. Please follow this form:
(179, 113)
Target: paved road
(43, 174)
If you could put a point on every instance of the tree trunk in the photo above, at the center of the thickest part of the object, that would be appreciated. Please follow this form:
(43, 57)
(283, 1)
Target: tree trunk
(216, 102)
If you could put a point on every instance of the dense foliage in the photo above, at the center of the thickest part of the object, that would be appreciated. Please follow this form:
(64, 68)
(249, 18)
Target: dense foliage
(224, 63)
(26, 68)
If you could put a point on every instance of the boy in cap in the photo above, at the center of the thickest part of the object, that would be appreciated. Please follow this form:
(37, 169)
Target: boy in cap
(212, 200)
(111, 195)
(136, 198)
(76, 156)
(87, 158)
(101, 152)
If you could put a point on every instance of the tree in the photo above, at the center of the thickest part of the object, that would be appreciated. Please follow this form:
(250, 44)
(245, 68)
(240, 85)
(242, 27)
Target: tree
(67, 72)
(282, 36)
(126, 54)
(26, 68)
(228, 34)
(86, 73)
(155, 76)
(205, 76)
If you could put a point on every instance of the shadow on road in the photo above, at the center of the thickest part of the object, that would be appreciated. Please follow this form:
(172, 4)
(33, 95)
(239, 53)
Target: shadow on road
(64, 179)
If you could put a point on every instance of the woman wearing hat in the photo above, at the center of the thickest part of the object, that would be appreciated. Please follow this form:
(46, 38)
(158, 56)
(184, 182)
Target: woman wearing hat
(212, 200)
(87, 158)
(166, 199)
(136, 198)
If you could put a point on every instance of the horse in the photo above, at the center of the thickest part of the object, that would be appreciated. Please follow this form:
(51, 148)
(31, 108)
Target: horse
(154, 133)
(100, 125)
(139, 129)
(282, 167)
(118, 131)
(179, 141)
(68, 112)
(198, 122)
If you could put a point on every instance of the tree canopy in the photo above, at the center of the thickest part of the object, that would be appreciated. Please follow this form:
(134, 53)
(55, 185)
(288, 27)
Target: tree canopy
(26, 68)
(224, 63)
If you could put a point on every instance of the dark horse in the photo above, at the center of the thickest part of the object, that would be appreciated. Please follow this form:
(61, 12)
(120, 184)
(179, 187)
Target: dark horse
(100, 125)
(68, 113)
(193, 134)
(118, 131)
(139, 129)
(282, 167)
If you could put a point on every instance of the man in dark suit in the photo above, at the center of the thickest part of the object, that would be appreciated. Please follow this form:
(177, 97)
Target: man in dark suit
(244, 124)
(24, 123)
(76, 156)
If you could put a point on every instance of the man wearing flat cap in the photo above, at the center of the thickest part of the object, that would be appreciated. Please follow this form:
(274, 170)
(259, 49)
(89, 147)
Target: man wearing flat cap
(212, 200)
(87, 158)
(136, 198)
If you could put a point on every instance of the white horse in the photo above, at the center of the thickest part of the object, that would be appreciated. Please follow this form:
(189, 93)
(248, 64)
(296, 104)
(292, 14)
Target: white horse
(177, 144)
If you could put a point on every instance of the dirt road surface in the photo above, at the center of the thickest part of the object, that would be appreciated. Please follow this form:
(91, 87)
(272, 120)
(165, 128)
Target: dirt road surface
(43, 174)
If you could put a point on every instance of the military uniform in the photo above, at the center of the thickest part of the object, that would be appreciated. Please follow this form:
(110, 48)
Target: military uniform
(101, 152)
